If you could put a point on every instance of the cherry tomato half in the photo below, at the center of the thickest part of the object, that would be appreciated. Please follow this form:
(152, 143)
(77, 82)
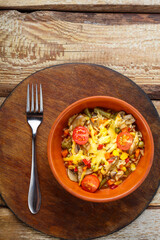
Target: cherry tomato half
(124, 140)
(80, 135)
(90, 183)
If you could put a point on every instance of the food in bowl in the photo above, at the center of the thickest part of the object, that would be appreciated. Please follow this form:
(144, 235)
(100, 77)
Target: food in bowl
(101, 147)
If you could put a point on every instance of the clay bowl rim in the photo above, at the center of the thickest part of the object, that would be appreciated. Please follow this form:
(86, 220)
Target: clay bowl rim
(58, 120)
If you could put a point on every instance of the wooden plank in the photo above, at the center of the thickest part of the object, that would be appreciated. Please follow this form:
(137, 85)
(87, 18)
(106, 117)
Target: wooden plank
(157, 106)
(123, 42)
(146, 226)
(155, 202)
(2, 100)
(84, 5)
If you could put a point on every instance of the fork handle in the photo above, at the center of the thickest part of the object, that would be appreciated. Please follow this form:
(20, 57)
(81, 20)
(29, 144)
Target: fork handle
(34, 194)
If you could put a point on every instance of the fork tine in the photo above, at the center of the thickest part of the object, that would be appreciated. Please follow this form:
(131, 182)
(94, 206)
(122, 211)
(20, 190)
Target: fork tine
(41, 99)
(32, 102)
(36, 99)
(28, 100)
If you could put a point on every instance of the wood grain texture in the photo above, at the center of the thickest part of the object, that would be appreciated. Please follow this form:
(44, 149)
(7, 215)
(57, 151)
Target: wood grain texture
(11, 228)
(155, 103)
(2, 203)
(157, 106)
(56, 202)
(127, 43)
(84, 5)
(156, 200)
(2, 99)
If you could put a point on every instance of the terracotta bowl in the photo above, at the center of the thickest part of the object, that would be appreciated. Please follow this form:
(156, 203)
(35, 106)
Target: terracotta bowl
(56, 163)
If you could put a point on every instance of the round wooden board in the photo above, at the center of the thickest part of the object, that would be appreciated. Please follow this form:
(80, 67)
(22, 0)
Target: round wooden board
(63, 215)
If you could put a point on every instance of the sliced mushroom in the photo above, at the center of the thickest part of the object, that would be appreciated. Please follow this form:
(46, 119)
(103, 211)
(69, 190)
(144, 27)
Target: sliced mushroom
(120, 122)
(129, 119)
(110, 167)
(122, 113)
(123, 126)
(113, 173)
(77, 148)
(114, 163)
(134, 144)
(119, 175)
(71, 119)
(79, 121)
(128, 116)
(88, 171)
(142, 152)
(72, 176)
(132, 148)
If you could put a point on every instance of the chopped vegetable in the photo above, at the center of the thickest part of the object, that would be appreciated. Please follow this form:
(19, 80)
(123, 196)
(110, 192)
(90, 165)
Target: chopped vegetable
(125, 129)
(71, 167)
(102, 121)
(66, 143)
(124, 156)
(87, 162)
(132, 156)
(100, 148)
(90, 183)
(137, 152)
(66, 132)
(102, 112)
(102, 182)
(72, 176)
(76, 169)
(64, 153)
(115, 153)
(124, 140)
(79, 121)
(127, 160)
(107, 155)
(83, 174)
(87, 112)
(123, 168)
(92, 120)
(133, 167)
(110, 182)
(119, 175)
(118, 182)
(103, 171)
(80, 135)
(110, 160)
(113, 186)
(141, 144)
(117, 130)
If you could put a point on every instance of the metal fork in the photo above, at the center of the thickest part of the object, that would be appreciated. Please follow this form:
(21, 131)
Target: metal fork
(34, 119)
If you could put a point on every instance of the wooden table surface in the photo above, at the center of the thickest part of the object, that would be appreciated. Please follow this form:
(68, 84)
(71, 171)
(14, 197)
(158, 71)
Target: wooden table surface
(126, 42)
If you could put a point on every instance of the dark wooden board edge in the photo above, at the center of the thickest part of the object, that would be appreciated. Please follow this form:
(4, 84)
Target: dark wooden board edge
(92, 64)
